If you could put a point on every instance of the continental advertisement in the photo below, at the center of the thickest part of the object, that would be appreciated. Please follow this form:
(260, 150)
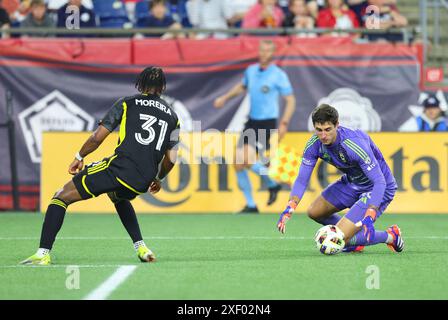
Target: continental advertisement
(204, 179)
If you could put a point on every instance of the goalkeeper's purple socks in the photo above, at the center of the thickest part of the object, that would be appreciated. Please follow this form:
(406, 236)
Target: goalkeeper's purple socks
(245, 186)
(262, 171)
(360, 239)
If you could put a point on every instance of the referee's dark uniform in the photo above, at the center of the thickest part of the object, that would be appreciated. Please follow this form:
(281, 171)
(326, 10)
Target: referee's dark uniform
(148, 128)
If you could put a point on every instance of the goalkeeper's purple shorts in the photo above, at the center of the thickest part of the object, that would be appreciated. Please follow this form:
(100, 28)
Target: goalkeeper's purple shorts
(343, 194)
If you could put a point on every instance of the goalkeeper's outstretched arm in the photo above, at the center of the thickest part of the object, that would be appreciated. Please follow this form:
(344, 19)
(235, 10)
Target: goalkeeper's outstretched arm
(297, 192)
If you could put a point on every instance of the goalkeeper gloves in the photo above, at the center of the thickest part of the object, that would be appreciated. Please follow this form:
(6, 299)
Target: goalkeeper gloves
(367, 224)
(285, 216)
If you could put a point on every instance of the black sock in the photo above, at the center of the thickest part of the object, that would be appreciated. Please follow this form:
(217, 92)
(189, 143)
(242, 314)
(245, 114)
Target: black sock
(54, 217)
(127, 216)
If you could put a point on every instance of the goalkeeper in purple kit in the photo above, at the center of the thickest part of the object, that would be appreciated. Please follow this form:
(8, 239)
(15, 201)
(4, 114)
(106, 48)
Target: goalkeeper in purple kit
(366, 188)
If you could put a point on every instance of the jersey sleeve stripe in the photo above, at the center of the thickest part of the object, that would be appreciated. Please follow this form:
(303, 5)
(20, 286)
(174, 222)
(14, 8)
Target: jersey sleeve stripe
(310, 142)
(357, 149)
(122, 133)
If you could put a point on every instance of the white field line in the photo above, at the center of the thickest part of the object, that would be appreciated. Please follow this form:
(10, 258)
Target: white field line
(166, 238)
(113, 282)
(64, 266)
(287, 237)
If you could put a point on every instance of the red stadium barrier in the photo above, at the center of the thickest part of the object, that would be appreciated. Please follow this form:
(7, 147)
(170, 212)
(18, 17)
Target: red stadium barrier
(186, 51)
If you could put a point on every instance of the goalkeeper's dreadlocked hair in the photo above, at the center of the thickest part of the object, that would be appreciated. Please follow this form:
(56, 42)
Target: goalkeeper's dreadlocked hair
(151, 80)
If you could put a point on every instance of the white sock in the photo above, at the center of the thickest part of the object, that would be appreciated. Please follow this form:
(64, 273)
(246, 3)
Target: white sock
(390, 239)
(41, 252)
(139, 244)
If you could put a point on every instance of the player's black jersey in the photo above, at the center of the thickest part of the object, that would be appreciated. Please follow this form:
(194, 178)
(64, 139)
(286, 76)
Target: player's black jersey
(148, 128)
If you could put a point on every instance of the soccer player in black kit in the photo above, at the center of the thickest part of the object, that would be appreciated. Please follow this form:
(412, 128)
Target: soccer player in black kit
(145, 154)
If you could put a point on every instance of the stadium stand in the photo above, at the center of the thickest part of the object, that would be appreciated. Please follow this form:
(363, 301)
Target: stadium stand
(256, 17)
(111, 13)
(141, 12)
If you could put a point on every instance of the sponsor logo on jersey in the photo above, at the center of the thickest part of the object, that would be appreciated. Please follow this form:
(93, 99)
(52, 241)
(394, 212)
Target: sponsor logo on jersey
(306, 161)
(341, 155)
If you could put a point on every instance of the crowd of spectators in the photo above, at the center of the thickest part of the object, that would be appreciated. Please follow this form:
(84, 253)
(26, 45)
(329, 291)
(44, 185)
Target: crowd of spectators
(302, 15)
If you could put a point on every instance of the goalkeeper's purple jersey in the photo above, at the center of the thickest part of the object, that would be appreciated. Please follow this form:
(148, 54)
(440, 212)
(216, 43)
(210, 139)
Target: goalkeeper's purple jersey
(353, 153)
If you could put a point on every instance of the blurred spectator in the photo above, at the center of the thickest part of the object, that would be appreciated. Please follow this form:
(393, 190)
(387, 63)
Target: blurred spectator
(38, 18)
(314, 6)
(178, 10)
(357, 6)
(264, 14)
(387, 16)
(283, 4)
(5, 23)
(432, 118)
(10, 5)
(54, 5)
(337, 16)
(4, 16)
(239, 9)
(209, 14)
(87, 17)
(130, 8)
(298, 17)
(160, 18)
(20, 13)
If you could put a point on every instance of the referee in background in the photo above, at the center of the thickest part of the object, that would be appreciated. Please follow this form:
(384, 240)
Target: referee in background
(265, 82)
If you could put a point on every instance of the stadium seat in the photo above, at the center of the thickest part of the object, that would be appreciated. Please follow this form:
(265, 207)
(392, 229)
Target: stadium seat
(107, 9)
(114, 23)
(141, 10)
(111, 13)
(180, 10)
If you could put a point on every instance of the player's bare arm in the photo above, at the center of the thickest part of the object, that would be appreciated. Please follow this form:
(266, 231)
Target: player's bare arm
(92, 143)
(287, 115)
(168, 162)
(234, 92)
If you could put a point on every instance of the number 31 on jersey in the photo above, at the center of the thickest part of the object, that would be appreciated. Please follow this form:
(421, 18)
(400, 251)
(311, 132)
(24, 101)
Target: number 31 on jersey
(147, 126)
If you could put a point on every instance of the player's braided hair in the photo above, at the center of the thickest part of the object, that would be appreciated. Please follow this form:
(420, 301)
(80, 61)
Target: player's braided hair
(152, 79)
(325, 113)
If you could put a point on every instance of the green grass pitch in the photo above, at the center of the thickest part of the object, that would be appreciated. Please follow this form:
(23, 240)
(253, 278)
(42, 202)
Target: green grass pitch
(222, 257)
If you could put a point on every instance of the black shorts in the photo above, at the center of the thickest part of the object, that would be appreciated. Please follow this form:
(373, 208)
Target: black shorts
(97, 178)
(257, 133)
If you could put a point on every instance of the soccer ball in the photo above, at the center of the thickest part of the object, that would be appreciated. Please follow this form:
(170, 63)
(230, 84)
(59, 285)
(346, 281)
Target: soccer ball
(329, 240)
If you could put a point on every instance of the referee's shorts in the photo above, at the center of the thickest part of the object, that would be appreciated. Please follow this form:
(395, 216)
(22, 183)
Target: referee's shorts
(97, 178)
(257, 133)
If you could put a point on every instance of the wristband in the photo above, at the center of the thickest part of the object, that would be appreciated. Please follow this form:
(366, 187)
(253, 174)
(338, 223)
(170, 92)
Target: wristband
(158, 179)
(78, 157)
